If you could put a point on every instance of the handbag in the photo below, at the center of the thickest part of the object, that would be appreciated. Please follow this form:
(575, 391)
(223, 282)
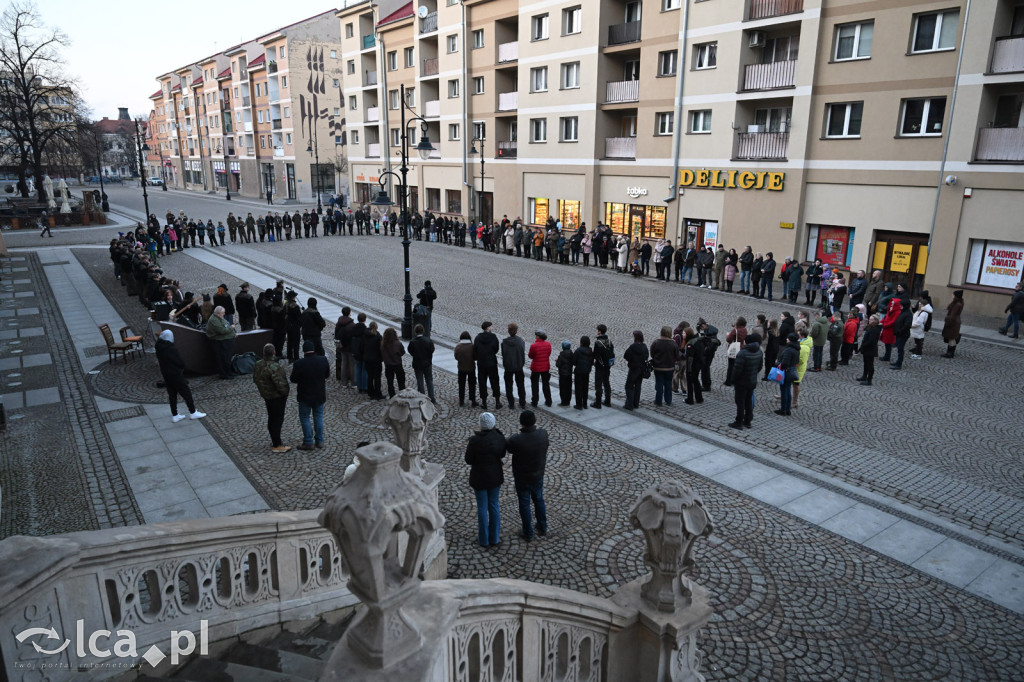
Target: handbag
(734, 350)
(776, 374)
(648, 369)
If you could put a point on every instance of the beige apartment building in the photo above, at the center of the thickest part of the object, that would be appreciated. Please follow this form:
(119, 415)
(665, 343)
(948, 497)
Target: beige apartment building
(256, 117)
(854, 132)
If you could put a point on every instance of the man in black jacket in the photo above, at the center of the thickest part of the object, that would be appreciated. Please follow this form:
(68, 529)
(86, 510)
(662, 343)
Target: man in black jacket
(172, 368)
(421, 348)
(485, 349)
(745, 371)
(223, 298)
(313, 326)
(310, 375)
(513, 359)
(767, 273)
(604, 358)
(357, 337)
(246, 307)
(529, 450)
(902, 331)
(343, 365)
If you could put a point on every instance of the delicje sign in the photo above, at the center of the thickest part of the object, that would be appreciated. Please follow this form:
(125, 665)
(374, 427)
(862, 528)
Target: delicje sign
(772, 181)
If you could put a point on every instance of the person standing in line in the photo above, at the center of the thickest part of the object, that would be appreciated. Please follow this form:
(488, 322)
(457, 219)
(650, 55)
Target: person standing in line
(344, 366)
(421, 348)
(484, 452)
(540, 368)
(223, 336)
(604, 358)
(721, 256)
(636, 360)
(767, 274)
(373, 361)
(513, 359)
(564, 364)
(951, 326)
(744, 380)
(582, 362)
(465, 361)
(392, 350)
(293, 325)
(310, 374)
(869, 350)
(693, 355)
(358, 340)
(664, 352)
(246, 307)
(904, 321)
(529, 450)
(312, 325)
(789, 360)
(485, 350)
(272, 383)
(172, 369)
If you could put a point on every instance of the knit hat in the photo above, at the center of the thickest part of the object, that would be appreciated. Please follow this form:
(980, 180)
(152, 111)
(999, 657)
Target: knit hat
(167, 335)
(527, 418)
(308, 346)
(486, 421)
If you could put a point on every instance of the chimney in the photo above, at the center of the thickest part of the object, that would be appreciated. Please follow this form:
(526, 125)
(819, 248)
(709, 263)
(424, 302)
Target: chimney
(122, 114)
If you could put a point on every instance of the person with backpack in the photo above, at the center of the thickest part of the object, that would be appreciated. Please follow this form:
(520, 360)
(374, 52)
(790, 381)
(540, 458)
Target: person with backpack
(709, 335)
(425, 309)
(919, 325)
(604, 358)
(789, 359)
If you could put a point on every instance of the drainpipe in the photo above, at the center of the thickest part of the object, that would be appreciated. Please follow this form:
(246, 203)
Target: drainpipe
(382, 92)
(465, 118)
(949, 131)
(677, 137)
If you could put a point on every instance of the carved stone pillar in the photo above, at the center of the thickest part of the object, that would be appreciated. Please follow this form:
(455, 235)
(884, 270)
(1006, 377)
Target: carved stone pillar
(408, 414)
(367, 514)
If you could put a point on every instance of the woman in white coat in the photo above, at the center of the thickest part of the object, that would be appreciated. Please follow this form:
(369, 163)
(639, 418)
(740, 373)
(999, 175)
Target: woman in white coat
(623, 251)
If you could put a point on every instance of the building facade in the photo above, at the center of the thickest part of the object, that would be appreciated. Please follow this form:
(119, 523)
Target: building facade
(883, 135)
(262, 116)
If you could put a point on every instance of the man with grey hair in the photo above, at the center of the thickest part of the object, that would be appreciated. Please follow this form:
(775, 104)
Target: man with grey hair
(220, 331)
(872, 292)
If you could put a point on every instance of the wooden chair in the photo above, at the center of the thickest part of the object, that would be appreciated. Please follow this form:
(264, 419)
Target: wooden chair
(137, 340)
(114, 347)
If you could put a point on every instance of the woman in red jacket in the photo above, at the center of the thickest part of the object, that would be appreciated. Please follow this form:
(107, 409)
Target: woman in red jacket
(850, 334)
(888, 326)
(540, 367)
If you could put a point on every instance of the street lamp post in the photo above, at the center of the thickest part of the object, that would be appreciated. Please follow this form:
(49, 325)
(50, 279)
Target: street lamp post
(480, 194)
(424, 148)
(314, 146)
(163, 169)
(142, 147)
(227, 173)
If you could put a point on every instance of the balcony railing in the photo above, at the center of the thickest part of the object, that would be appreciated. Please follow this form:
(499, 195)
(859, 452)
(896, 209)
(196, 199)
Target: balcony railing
(761, 146)
(250, 151)
(769, 76)
(1008, 54)
(247, 126)
(508, 101)
(508, 52)
(225, 105)
(373, 114)
(622, 91)
(428, 24)
(369, 78)
(373, 150)
(271, 67)
(430, 67)
(620, 34)
(1000, 144)
(246, 101)
(432, 109)
(507, 150)
(368, 42)
(762, 9)
(620, 147)
(275, 124)
(278, 151)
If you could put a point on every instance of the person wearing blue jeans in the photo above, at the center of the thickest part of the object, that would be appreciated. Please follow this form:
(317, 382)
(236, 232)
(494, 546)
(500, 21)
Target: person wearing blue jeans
(1015, 309)
(767, 275)
(664, 352)
(310, 374)
(484, 452)
(789, 359)
(529, 449)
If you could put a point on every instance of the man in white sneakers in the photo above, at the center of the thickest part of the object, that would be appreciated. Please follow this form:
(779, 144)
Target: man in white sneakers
(172, 367)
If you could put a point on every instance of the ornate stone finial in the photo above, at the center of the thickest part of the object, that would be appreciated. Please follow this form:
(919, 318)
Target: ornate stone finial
(368, 514)
(407, 414)
(671, 517)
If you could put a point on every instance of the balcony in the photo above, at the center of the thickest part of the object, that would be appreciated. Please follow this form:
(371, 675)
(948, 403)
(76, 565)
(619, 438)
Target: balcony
(432, 109)
(275, 124)
(769, 76)
(764, 9)
(1008, 55)
(430, 67)
(373, 150)
(1000, 145)
(508, 101)
(507, 150)
(620, 34)
(246, 101)
(278, 151)
(508, 52)
(272, 67)
(762, 146)
(373, 114)
(250, 151)
(620, 147)
(225, 105)
(428, 24)
(369, 78)
(247, 126)
(227, 126)
(622, 91)
(368, 42)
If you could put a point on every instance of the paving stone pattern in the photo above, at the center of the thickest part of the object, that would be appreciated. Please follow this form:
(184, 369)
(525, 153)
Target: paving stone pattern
(792, 601)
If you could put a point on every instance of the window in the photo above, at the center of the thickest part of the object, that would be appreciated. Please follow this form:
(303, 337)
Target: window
(478, 85)
(843, 120)
(410, 97)
(259, 116)
(453, 43)
(774, 119)
(348, 30)
(700, 121)
(994, 264)
(351, 66)
(572, 20)
(705, 56)
(334, 54)
(539, 79)
(337, 112)
(410, 60)
(284, 81)
(935, 31)
(923, 116)
(853, 41)
(396, 138)
(355, 137)
(666, 5)
(433, 199)
(263, 141)
(539, 210)
(393, 101)
(478, 39)
(352, 102)
(454, 132)
(393, 60)
(664, 123)
(570, 128)
(453, 88)
(538, 130)
(539, 27)
(667, 63)
(570, 75)
(479, 130)
(454, 200)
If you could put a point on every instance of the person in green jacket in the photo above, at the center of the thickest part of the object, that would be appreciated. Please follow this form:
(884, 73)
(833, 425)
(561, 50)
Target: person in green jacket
(819, 335)
(272, 383)
(222, 334)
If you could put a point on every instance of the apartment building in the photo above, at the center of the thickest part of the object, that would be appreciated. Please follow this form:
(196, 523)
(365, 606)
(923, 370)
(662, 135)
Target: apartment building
(263, 115)
(857, 133)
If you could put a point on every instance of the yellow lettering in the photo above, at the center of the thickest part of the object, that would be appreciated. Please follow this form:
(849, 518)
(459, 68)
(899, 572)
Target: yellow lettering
(761, 175)
(732, 180)
(685, 177)
(717, 180)
(702, 177)
(746, 180)
(775, 181)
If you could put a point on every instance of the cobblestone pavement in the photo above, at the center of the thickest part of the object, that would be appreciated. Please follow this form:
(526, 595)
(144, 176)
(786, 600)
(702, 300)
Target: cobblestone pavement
(792, 601)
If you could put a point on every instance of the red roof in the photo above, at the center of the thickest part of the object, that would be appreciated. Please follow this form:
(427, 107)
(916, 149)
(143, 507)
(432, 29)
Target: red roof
(198, 81)
(259, 61)
(226, 73)
(401, 13)
(156, 94)
(116, 126)
(176, 87)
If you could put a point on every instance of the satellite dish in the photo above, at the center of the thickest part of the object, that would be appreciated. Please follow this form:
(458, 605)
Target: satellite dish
(422, 12)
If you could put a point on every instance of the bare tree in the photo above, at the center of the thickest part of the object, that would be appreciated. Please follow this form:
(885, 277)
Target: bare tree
(36, 99)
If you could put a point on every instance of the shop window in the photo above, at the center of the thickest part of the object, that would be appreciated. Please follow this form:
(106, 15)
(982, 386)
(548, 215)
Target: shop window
(569, 213)
(636, 221)
(539, 211)
(454, 200)
(995, 264)
(433, 199)
(830, 244)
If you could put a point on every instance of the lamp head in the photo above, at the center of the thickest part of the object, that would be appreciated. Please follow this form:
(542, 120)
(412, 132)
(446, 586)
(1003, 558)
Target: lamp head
(382, 199)
(424, 147)
(472, 149)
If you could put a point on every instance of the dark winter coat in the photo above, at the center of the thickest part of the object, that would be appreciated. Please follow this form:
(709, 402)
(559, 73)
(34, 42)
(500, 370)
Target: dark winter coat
(309, 374)
(747, 367)
(583, 360)
(513, 354)
(951, 328)
(869, 343)
(421, 349)
(172, 366)
(484, 453)
(635, 356)
(312, 323)
(485, 348)
(529, 449)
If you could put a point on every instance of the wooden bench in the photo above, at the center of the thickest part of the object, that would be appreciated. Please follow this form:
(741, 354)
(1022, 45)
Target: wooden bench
(115, 347)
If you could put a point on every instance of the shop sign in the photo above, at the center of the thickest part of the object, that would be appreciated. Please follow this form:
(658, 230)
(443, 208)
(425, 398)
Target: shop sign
(1001, 265)
(773, 181)
(901, 255)
(710, 234)
(634, 192)
(786, 226)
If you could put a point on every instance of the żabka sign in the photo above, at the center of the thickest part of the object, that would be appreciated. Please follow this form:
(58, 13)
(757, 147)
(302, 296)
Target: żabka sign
(772, 181)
